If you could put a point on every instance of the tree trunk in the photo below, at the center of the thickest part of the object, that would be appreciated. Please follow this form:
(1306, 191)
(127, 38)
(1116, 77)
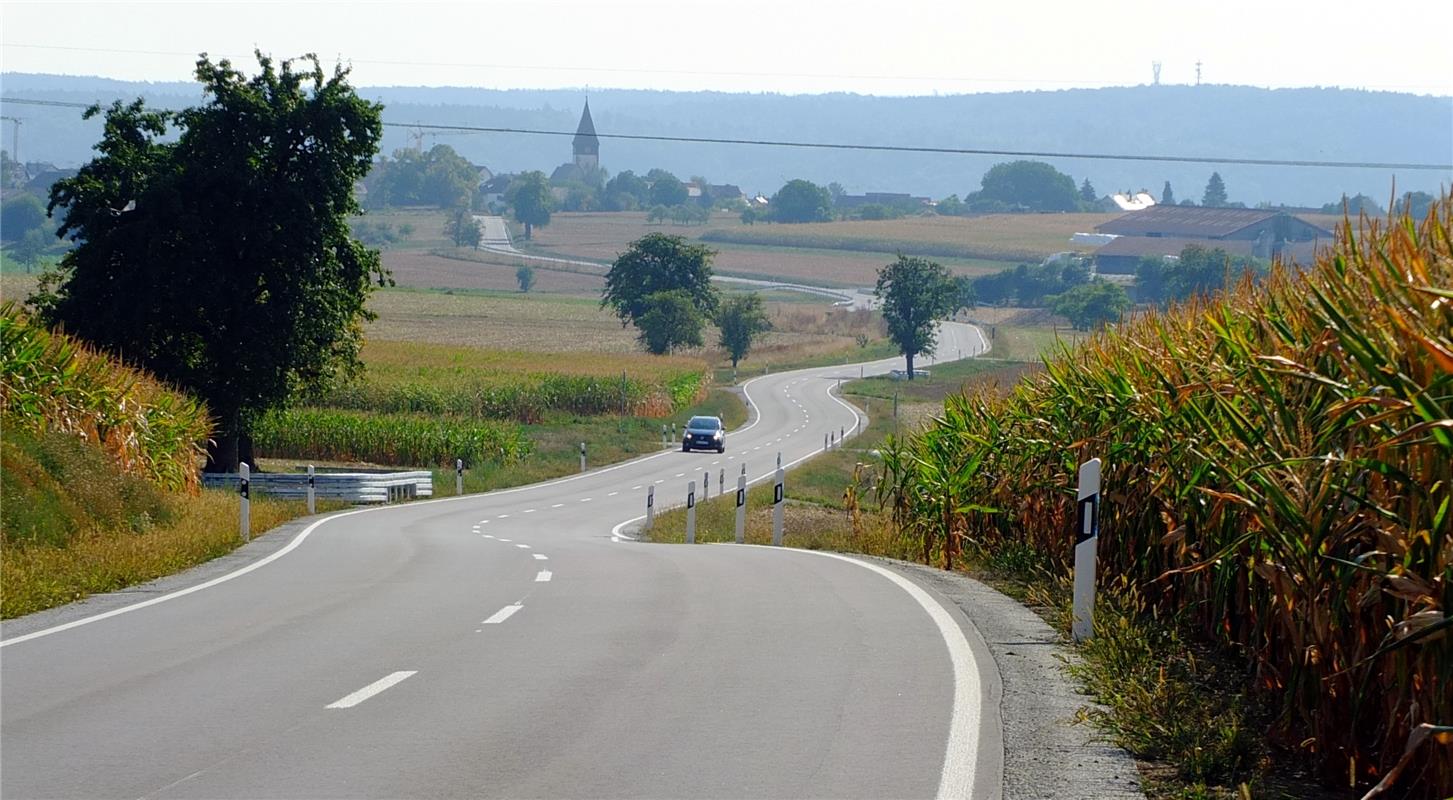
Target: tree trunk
(244, 450)
(529, 229)
(910, 365)
(222, 448)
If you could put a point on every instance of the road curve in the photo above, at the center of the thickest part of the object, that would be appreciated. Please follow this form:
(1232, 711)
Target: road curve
(506, 645)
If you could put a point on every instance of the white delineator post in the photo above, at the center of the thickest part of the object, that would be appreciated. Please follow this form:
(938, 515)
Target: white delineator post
(691, 512)
(244, 490)
(665, 442)
(650, 506)
(721, 481)
(1087, 538)
(311, 507)
(582, 456)
(706, 484)
(778, 494)
(742, 506)
(459, 476)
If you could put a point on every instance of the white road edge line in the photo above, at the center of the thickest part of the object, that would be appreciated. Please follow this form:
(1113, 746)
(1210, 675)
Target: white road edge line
(541, 557)
(961, 755)
(372, 689)
(502, 614)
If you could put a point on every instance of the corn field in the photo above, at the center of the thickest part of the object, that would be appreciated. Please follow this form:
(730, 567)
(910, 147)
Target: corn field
(50, 382)
(525, 398)
(1278, 470)
(397, 439)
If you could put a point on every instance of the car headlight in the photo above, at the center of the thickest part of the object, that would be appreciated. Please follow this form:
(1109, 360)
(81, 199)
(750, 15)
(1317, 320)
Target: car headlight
(716, 435)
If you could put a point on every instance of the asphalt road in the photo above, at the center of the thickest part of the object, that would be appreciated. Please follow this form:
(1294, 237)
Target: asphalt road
(509, 645)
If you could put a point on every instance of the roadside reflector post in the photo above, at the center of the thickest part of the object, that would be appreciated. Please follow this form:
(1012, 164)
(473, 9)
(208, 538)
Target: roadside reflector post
(650, 506)
(779, 459)
(1087, 538)
(721, 481)
(244, 490)
(664, 441)
(458, 476)
(691, 512)
(582, 456)
(673, 430)
(311, 483)
(824, 441)
(742, 506)
(777, 496)
(706, 484)
(842, 433)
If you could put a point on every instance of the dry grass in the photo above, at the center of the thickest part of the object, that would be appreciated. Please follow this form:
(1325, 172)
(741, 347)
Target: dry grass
(105, 560)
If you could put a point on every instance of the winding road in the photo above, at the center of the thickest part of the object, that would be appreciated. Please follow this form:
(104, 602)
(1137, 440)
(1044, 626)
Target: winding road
(518, 644)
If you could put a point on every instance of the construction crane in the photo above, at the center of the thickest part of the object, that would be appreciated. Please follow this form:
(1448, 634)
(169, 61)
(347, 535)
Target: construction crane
(418, 134)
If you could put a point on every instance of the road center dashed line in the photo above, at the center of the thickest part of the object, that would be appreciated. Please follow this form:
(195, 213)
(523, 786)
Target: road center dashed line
(372, 689)
(543, 576)
(541, 557)
(558, 505)
(503, 614)
(504, 540)
(523, 546)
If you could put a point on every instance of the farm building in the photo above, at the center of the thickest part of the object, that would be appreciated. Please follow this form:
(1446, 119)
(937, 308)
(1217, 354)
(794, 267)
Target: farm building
(1164, 230)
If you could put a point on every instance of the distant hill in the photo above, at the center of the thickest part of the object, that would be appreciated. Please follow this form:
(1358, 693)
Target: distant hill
(1216, 121)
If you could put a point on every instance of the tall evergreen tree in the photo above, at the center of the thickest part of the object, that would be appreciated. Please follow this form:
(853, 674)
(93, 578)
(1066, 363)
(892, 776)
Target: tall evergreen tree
(1167, 195)
(1215, 191)
(1087, 192)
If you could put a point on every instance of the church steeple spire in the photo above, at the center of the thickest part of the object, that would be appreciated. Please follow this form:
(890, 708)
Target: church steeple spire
(585, 144)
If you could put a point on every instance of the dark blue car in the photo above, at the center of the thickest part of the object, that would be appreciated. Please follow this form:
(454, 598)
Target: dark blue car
(704, 433)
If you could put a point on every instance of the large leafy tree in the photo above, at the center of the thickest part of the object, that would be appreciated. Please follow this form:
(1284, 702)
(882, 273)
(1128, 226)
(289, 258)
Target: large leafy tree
(671, 320)
(801, 201)
(529, 196)
(220, 257)
(439, 177)
(741, 320)
(659, 262)
(916, 293)
(1090, 306)
(666, 189)
(20, 215)
(1027, 185)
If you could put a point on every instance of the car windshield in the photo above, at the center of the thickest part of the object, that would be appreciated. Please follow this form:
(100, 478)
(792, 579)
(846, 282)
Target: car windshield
(704, 424)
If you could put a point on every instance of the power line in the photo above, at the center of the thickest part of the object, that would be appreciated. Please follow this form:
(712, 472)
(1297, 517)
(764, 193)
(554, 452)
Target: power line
(891, 148)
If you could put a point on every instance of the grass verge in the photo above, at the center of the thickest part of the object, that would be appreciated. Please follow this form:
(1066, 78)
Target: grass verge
(74, 525)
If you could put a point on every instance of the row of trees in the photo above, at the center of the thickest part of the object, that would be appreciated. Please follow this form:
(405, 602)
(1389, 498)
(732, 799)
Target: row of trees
(662, 286)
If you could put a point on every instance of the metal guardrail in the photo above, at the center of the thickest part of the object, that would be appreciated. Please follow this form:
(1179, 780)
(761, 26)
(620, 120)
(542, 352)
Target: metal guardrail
(354, 487)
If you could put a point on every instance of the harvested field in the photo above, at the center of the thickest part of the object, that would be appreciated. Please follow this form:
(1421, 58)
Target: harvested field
(600, 237)
(424, 270)
(499, 321)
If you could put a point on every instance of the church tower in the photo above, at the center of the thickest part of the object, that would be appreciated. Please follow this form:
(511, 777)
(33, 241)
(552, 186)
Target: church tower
(585, 144)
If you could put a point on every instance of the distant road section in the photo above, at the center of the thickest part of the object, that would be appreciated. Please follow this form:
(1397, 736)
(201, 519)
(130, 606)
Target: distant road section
(496, 239)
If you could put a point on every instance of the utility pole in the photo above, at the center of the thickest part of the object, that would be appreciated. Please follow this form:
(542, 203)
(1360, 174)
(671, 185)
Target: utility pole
(1155, 70)
(1198, 72)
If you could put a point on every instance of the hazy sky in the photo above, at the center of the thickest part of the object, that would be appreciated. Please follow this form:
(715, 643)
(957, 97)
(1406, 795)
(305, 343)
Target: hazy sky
(790, 46)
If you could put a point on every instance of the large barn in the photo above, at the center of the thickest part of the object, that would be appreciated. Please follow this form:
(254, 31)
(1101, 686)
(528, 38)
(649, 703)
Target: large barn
(1165, 230)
